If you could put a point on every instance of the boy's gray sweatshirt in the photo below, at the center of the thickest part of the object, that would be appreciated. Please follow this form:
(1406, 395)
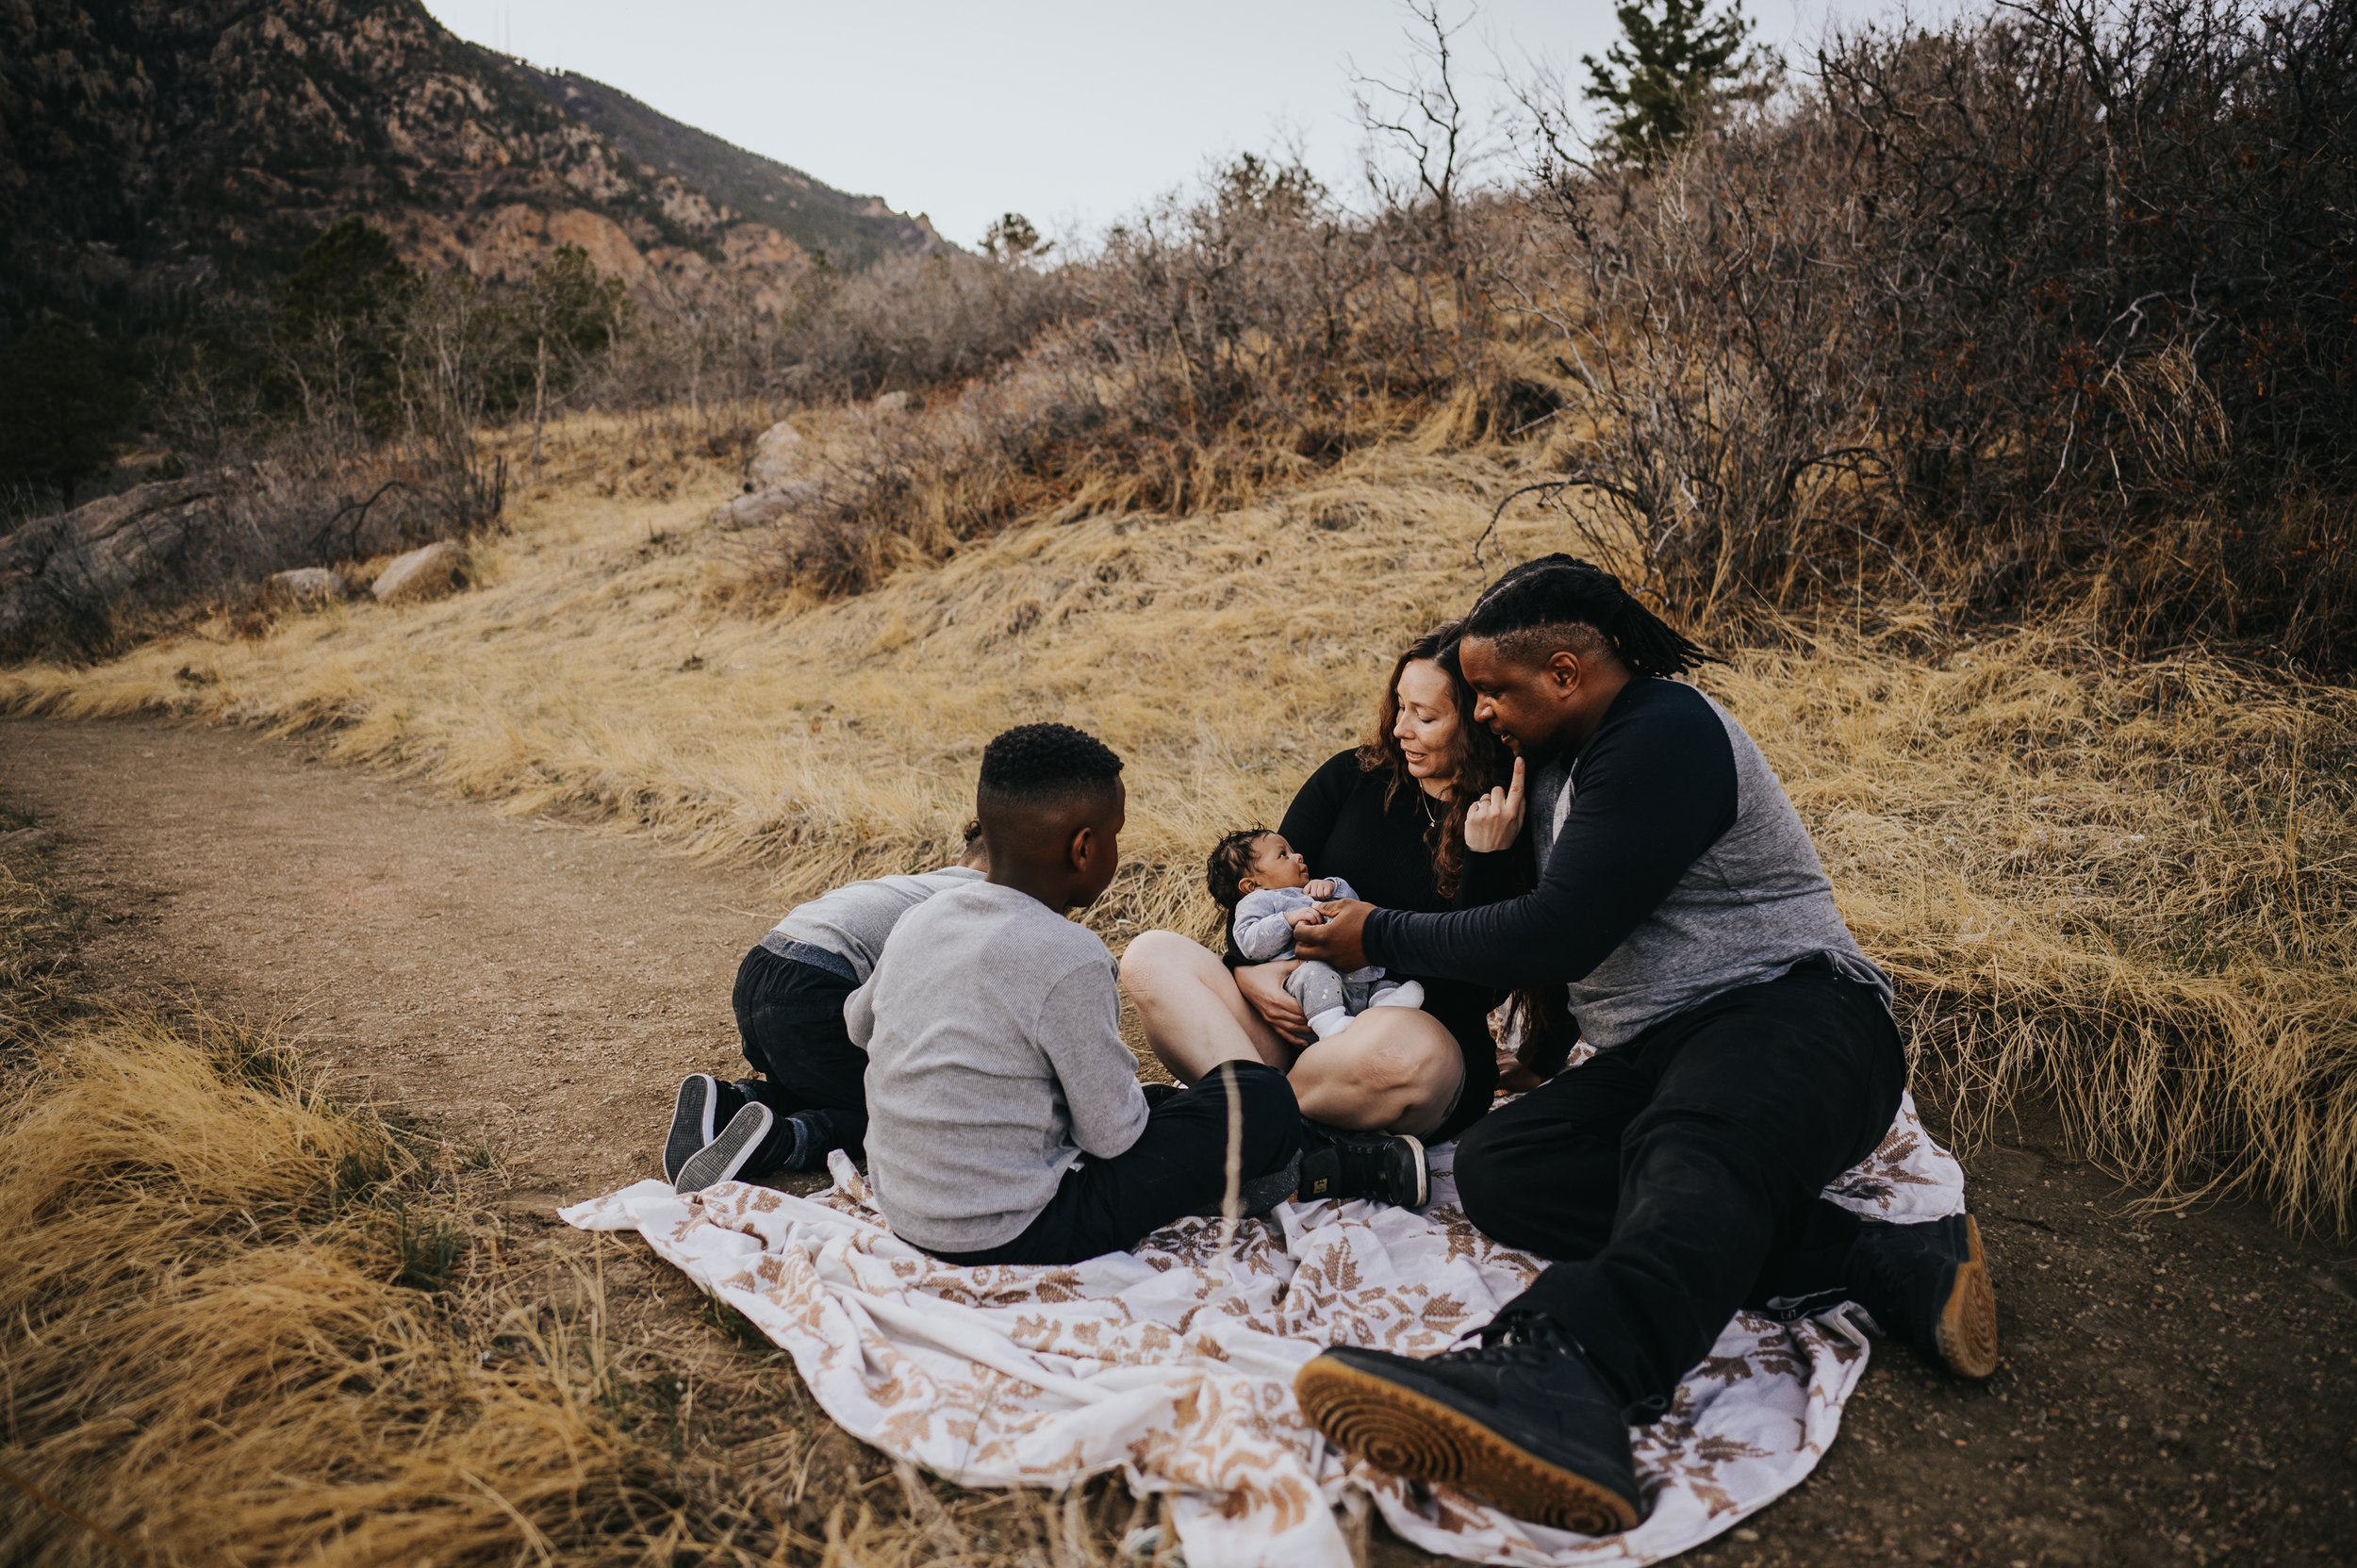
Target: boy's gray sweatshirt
(993, 1030)
(853, 921)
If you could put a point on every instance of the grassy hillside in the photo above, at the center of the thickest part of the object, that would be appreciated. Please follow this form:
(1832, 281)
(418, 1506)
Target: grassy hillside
(2125, 884)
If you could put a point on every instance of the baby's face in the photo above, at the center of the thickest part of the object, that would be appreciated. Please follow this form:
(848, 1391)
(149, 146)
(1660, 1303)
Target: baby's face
(1275, 865)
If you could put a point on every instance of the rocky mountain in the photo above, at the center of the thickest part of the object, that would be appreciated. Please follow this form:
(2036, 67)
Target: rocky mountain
(150, 149)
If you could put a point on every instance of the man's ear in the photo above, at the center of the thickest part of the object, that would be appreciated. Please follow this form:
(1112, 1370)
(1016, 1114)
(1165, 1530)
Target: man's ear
(1082, 844)
(1564, 669)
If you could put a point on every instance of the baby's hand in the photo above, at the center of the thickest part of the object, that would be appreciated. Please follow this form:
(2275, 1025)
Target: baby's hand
(1300, 918)
(1321, 888)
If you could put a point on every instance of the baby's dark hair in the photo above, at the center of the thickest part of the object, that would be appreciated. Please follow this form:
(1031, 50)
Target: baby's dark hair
(1560, 597)
(1034, 765)
(1230, 863)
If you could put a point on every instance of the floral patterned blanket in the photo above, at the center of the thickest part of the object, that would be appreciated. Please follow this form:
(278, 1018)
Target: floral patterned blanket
(1174, 1365)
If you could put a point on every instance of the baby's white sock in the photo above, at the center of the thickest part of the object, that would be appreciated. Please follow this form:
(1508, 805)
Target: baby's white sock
(1330, 1023)
(1407, 993)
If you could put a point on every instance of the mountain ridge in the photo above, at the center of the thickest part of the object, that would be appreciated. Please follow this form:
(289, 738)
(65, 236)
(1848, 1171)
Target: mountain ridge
(156, 150)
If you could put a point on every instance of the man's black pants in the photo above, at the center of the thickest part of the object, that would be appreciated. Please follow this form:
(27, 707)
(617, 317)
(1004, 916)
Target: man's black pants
(1678, 1177)
(790, 1018)
(1178, 1166)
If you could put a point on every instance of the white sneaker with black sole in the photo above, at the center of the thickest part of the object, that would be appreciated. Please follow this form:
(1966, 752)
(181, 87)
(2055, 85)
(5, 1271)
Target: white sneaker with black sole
(726, 1155)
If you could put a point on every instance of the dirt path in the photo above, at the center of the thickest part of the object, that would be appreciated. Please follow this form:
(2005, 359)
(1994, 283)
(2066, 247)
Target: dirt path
(2176, 1390)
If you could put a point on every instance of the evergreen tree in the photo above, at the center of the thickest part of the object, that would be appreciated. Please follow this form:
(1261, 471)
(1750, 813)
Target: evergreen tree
(1014, 238)
(61, 408)
(1673, 64)
(336, 321)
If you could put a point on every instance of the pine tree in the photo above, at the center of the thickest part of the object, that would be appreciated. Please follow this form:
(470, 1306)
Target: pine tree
(1670, 68)
(61, 408)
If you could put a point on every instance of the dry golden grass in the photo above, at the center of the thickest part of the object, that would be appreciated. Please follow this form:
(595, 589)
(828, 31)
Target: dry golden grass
(242, 1324)
(2127, 885)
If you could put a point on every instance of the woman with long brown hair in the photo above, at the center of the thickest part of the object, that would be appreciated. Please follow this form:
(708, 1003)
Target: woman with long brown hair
(1416, 818)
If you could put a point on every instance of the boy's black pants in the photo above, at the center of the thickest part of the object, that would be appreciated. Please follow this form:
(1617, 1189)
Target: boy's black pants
(790, 1016)
(1178, 1166)
(1678, 1177)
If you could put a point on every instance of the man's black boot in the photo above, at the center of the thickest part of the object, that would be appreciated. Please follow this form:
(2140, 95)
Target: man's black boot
(1929, 1285)
(1336, 1164)
(1523, 1420)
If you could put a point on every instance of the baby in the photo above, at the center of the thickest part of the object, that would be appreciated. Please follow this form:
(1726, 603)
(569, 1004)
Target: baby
(1268, 889)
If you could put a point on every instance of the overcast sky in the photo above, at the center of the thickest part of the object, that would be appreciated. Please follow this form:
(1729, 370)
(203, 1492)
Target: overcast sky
(1070, 112)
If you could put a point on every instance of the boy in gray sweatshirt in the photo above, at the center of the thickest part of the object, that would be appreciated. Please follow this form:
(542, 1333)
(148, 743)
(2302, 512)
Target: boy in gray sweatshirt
(1006, 1122)
(806, 1098)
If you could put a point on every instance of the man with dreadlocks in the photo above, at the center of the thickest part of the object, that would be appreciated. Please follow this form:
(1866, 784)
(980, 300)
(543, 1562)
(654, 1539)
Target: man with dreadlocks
(1745, 1056)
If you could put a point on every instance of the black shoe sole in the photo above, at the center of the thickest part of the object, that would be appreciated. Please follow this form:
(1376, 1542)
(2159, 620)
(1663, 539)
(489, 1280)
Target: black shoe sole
(727, 1154)
(1967, 1330)
(1398, 1429)
(691, 1122)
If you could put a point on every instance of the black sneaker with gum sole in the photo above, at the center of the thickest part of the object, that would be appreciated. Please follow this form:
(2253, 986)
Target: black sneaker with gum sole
(1527, 1425)
(1929, 1284)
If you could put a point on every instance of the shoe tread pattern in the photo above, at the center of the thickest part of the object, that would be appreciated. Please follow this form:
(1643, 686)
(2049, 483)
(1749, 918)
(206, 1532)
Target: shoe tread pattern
(1966, 1333)
(1399, 1430)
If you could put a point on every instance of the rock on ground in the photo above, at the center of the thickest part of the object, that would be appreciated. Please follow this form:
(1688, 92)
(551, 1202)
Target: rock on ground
(305, 587)
(778, 455)
(57, 573)
(426, 573)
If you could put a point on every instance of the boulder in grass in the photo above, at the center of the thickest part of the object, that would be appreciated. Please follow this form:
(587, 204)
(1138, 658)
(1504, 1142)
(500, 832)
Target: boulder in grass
(749, 511)
(779, 454)
(427, 572)
(306, 587)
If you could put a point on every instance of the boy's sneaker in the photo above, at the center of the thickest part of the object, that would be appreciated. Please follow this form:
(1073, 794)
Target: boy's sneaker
(725, 1158)
(1382, 1165)
(1405, 993)
(696, 1119)
(1929, 1285)
(1523, 1419)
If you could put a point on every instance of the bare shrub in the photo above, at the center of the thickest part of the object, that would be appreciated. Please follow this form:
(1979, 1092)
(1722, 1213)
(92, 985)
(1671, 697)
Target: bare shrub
(2022, 300)
(1216, 344)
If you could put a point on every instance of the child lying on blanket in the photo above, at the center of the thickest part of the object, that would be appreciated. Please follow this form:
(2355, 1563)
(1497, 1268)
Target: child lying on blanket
(1269, 892)
(807, 1097)
(1006, 1122)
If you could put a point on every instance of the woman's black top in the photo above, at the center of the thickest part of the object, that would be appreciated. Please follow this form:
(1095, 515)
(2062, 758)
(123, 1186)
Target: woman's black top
(1341, 825)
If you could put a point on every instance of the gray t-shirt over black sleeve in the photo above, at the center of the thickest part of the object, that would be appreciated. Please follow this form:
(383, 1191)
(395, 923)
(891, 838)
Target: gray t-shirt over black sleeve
(993, 1030)
(1673, 870)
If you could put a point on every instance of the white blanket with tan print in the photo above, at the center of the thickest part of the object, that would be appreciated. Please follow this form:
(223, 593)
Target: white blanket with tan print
(1174, 1365)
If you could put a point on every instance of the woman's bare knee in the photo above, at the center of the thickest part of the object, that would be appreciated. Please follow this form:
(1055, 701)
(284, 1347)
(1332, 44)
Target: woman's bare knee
(1156, 958)
(1397, 1074)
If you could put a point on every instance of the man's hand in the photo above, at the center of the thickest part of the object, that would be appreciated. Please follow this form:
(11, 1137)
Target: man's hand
(1262, 986)
(1341, 938)
(1492, 821)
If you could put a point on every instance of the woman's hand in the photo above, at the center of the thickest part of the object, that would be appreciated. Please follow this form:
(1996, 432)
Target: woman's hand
(1262, 986)
(1493, 822)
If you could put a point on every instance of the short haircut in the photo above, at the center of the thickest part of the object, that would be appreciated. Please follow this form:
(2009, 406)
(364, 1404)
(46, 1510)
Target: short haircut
(1230, 863)
(1041, 765)
(1559, 601)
